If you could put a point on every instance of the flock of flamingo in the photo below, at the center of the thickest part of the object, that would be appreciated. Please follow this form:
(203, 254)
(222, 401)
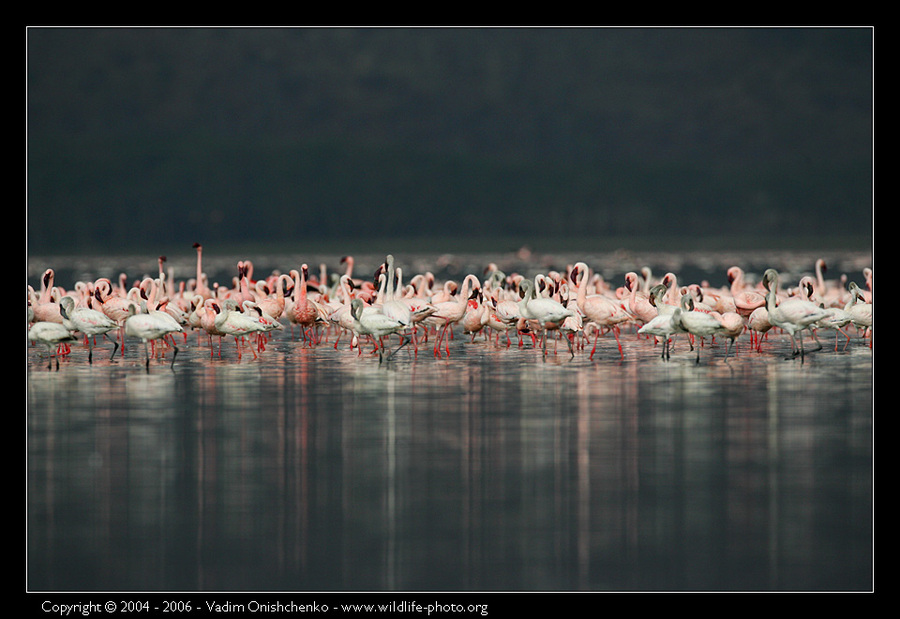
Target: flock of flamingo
(576, 306)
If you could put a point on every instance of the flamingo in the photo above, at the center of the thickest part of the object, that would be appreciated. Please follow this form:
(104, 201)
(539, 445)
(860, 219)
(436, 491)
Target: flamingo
(46, 308)
(546, 312)
(115, 302)
(374, 323)
(745, 300)
(476, 315)
(759, 325)
(391, 306)
(231, 321)
(732, 327)
(160, 307)
(341, 316)
(207, 315)
(503, 315)
(272, 306)
(700, 324)
(200, 285)
(673, 292)
(419, 307)
(793, 315)
(450, 311)
(663, 324)
(836, 319)
(859, 309)
(88, 321)
(597, 308)
(574, 324)
(243, 292)
(304, 311)
(50, 335)
(149, 328)
(638, 300)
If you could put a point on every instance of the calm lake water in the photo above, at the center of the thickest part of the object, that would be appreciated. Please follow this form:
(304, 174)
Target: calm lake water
(315, 468)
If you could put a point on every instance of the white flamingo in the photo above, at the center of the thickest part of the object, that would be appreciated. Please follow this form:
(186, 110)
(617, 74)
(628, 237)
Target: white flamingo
(149, 328)
(50, 335)
(374, 323)
(698, 323)
(546, 312)
(793, 315)
(88, 321)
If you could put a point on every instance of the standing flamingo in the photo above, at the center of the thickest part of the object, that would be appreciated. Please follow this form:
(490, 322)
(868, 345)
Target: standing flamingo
(732, 327)
(149, 328)
(46, 308)
(639, 304)
(304, 312)
(238, 324)
(663, 325)
(376, 324)
(272, 305)
(793, 315)
(200, 283)
(859, 309)
(450, 311)
(836, 319)
(597, 308)
(88, 321)
(50, 335)
(573, 326)
(548, 313)
(745, 299)
(698, 323)
(758, 324)
(391, 305)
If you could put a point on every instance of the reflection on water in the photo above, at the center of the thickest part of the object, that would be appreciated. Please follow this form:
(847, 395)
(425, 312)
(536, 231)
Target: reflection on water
(317, 469)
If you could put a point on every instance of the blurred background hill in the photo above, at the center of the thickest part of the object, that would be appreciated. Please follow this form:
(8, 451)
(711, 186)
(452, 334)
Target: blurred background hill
(146, 139)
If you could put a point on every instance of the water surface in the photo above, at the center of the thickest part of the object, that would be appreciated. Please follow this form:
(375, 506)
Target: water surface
(493, 469)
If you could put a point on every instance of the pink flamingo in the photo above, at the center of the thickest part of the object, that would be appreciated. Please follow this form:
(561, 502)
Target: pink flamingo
(639, 301)
(208, 313)
(758, 324)
(304, 312)
(732, 327)
(673, 292)
(450, 311)
(46, 308)
(596, 308)
(503, 315)
(114, 305)
(200, 283)
(745, 299)
(242, 293)
(476, 314)
(272, 305)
